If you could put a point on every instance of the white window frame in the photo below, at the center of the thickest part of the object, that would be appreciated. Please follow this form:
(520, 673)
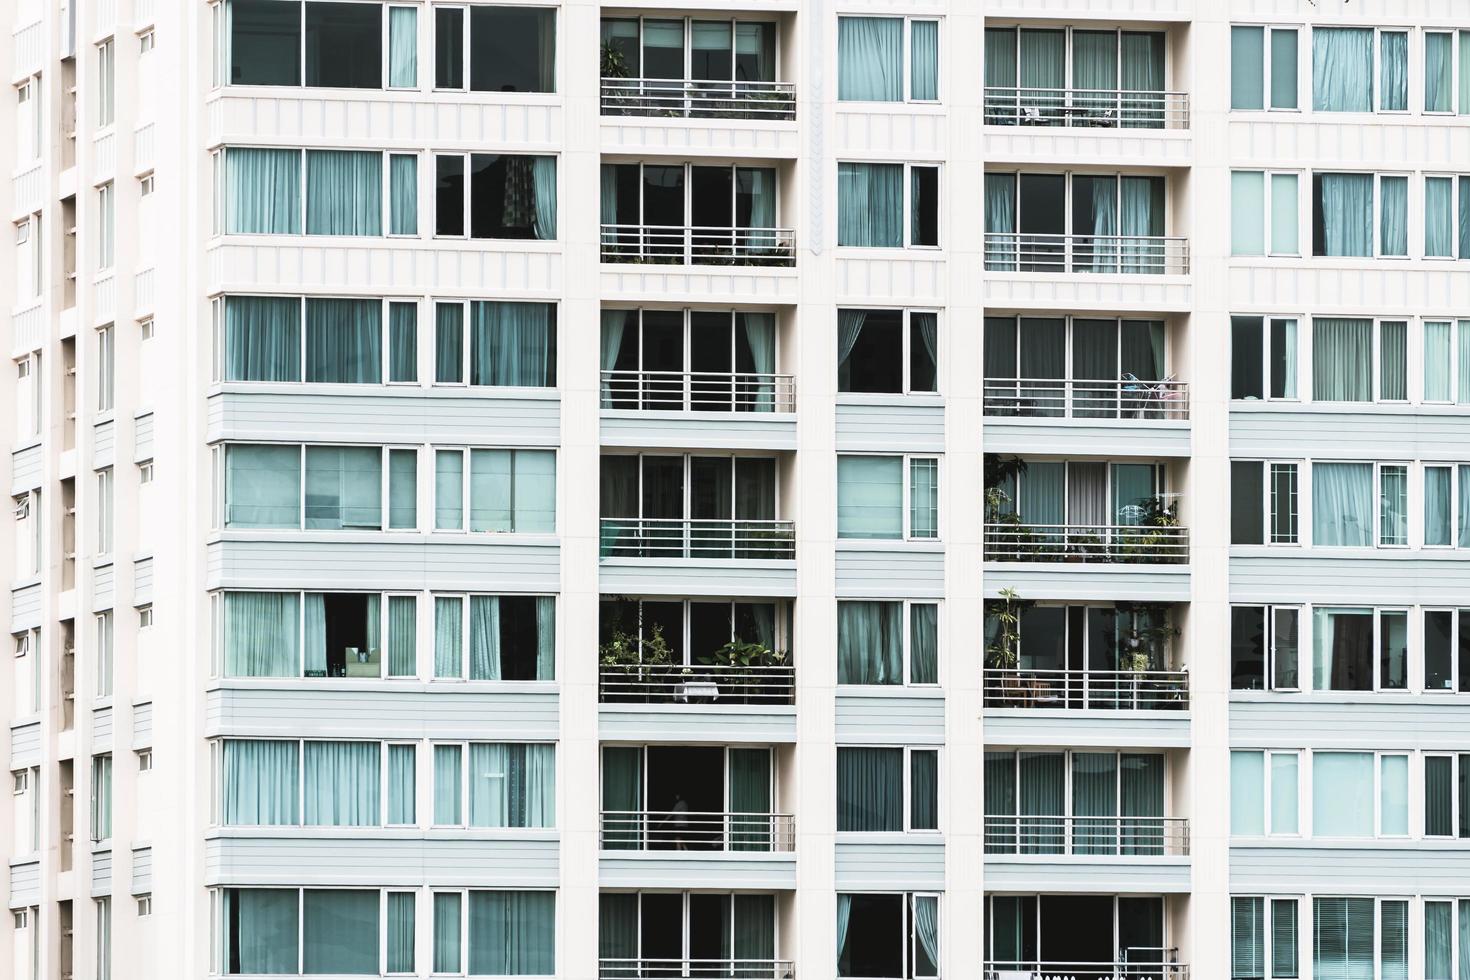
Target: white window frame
(221, 946)
(30, 123)
(1421, 635)
(145, 905)
(908, 942)
(466, 215)
(106, 368)
(463, 598)
(385, 337)
(1268, 932)
(144, 758)
(1378, 756)
(385, 194)
(1269, 611)
(106, 82)
(906, 640)
(1412, 634)
(1303, 796)
(906, 314)
(384, 474)
(907, 789)
(106, 226)
(906, 217)
(906, 67)
(105, 638)
(218, 627)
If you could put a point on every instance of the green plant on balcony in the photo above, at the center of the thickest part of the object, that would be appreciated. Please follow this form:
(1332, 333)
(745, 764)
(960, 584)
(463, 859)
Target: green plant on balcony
(1004, 650)
(1154, 546)
(629, 650)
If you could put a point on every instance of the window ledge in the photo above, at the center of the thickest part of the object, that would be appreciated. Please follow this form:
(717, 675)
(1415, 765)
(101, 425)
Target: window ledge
(927, 545)
(925, 399)
(881, 691)
(925, 838)
(381, 685)
(307, 389)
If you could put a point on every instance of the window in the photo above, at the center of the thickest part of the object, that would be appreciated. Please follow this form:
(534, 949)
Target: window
(26, 800)
(887, 790)
(1264, 213)
(145, 905)
(692, 360)
(262, 634)
(1447, 72)
(28, 534)
(1343, 505)
(145, 617)
(651, 648)
(1264, 647)
(1263, 358)
(294, 931)
(103, 625)
(275, 783)
(1116, 77)
(1265, 794)
(344, 44)
(145, 472)
(1263, 502)
(1114, 224)
(717, 50)
(106, 226)
(1359, 649)
(345, 487)
(1343, 215)
(1446, 216)
(26, 676)
(887, 642)
(498, 933)
(873, 200)
(106, 368)
(495, 196)
(1115, 802)
(1263, 60)
(887, 935)
(29, 258)
(871, 57)
(504, 784)
(1078, 367)
(1359, 360)
(1346, 800)
(507, 49)
(144, 759)
(261, 338)
(146, 42)
(1446, 795)
(1440, 944)
(1447, 650)
(699, 506)
(1350, 65)
(1050, 495)
(875, 500)
(504, 344)
(106, 82)
(887, 351)
(1262, 949)
(507, 490)
(101, 822)
(716, 214)
(104, 938)
(28, 402)
(1343, 942)
(509, 637)
(28, 120)
(347, 192)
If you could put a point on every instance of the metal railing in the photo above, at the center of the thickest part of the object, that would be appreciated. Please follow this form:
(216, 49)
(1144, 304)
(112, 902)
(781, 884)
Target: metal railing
(653, 830)
(1090, 543)
(699, 391)
(683, 245)
(1117, 836)
(698, 99)
(1086, 108)
(741, 969)
(695, 684)
(1155, 255)
(1085, 690)
(1134, 963)
(1072, 398)
(648, 537)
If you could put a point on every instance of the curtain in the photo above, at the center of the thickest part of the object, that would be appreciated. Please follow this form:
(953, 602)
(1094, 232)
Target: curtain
(1438, 941)
(485, 650)
(1462, 358)
(403, 69)
(403, 190)
(449, 490)
(543, 179)
(924, 60)
(402, 767)
(1463, 218)
(260, 783)
(870, 59)
(261, 632)
(447, 922)
(754, 934)
(1095, 355)
(1141, 794)
(512, 933)
(759, 332)
(448, 343)
(926, 927)
(339, 931)
(263, 929)
(617, 932)
(1342, 359)
(447, 806)
(869, 643)
(1393, 360)
(924, 789)
(1042, 494)
(344, 192)
(622, 793)
(1044, 73)
(403, 333)
(613, 322)
(263, 191)
(400, 920)
(1000, 75)
(1346, 205)
(512, 344)
(870, 496)
(1439, 88)
(1247, 68)
(1462, 540)
(344, 487)
(1393, 57)
(1042, 783)
(750, 793)
(448, 636)
(262, 338)
(924, 498)
(923, 643)
(344, 341)
(341, 784)
(1247, 208)
(314, 635)
(1095, 74)
(1141, 218)
(262, 486)
(1438, 521)
(1439, 217)
(1143, 71)
(924, 369)
(1342, 505)
(1143, 349)
(844, 917)
(546, 638)
(870, 205)
(870, 789)
(1393, 231)
(1342, 69)
(849, 329)
(1000, 222)
(1094, 795)
(1000, 801)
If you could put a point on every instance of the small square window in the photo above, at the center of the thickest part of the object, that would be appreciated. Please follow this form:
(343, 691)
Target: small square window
(145, 42)
(21, 918)
(145, 471)
(145, 905)
(145, 328)
(22, 781)
(145, 617)
(22, 233)
(145, 760)
(145, 185)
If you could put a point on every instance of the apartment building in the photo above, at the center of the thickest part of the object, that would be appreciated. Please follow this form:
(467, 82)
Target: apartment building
(754, 489)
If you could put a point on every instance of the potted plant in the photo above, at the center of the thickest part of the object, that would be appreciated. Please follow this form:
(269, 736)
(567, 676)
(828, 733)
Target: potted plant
(614, 66)
(646, 657)
(1004, 650)
(736, 658)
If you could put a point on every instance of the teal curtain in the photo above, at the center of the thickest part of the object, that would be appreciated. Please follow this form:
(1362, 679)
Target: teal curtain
(339, 931)
(262, 338)
(750, 793)
(924, 789)
(546, 638)
(448, 918)
(1000, 801)
(1141, 795)
(1000, 76)
(1044, 73)
(260, 783)
(924, 498)
(484, 638)
(448, 636)
(869, 642)
(512, 933)
(1285, 961)
(1042, 802)
(513, 344)
(403, 476)
(1247, 212)
(869, 789)
(543, 180)
(1248, 939)
(617, 932)
(402, 766)
(401, 918)
(344, 341)
(1464, 93)
(924, 60)
(1342, 359)
(403, 185)
(1284, 215)
(1393, 70)
(1142, 71)
(1283, 68)
(1393, 231)
(923, 643)
(261, 634)
(1342, 505)
(1439, 217)
(448, 809)
(1342, 794)
(1094, 802)
(1342, 69)
(622, 794)
(754, 934)
(1439, 940)
(1462, 217)
(512, 785)
(262, 486)
(870, 205)
(1141, 218)
(403, 41)
(344, 487)
(1000, 222)
(1393, 360)
(1041, 497)
(341, 784)
(1247, 793)
(403, 342)
(870, 59)
(1247, 68)
(758, 330)
(448, 343)
(449, 490)
(263, 932)
(870, 496)
(1345, 208)
(1462, 358)
(1095, 73)
(344, 192)
(1439, 71)
(1438, 519)
(263, 191)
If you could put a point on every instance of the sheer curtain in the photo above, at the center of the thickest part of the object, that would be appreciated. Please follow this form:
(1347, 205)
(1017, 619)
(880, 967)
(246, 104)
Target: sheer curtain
(403, 180)
(403, 70)
(1342, 505)
(1044, 72)
(869, 643)
(1393, 206)
(1439, 70)
(1393, 57)
(1094, 795)
(484, 638)
(1095, 74)
(1143, 71)
(448, 636)
(750, 793)
(1438, 520)
(926, 927)
(1000, 222)
(260, 783)
(341, 784)
(262, 338)
(1104, 246)
(447, 786)
(870, 790)
(1247, 68)
(1141, 794)
(924, 62)
(261, 633)
(870, 205)
(344, 192)
(759, 333)
(1342, 359)
(403, 331)
(1439, 217)
(1042, 802)
(263, 191)
(1342, 69)
(339, 931)
(512, 933)
(1462, 358)
(402, 765)
(1393, 360)
(1000, 75)
(1141, 218)
(1042, 494)
(1285, 217)
(448, 343)
(1462, 539)
(1346, 205)
(870, 59)
(546, 638)
(844, 916)
(513, 344)
(622, 793)
(262, 486)
(543, 178)
(1000, 801)
(344, 341)
(448, 918)
(400, 944)
(870, 496)
(512, 785)
(849, 329)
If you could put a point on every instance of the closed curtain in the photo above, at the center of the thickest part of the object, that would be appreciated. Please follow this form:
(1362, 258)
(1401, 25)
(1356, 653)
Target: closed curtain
(1000, 222)
(759, 333)
(1141, 223)
(869, 643)
(870, 497)
(1462, 539)
(1101, 254)
(403, 42)
(923, 643)
(1393, 360)
(543, 179)
(447, 791)
(1393, 216)
(1342, 69)
(262, 338)
(1345, 202)
(264, 929)
(1439, 217)
(1462, 358)
(448, 636)
(870, 789)
(1439, 70)
(756, 185)
(870, 59)
(341, 784)
(448, 343)
(260, 783)
(617, 932)
(1043, 65)
(402, 765)
(448, 918)
(400, 945)
(344, 341)
(344, 487)
(1042, 494)
(1042, 802)
(402, 636)
(403, 187)
(1141, 796)
(1342, 939)
(924, 62)
(485, 638)
(622, 795)
(262, 486)
(1438, 521)
(1095, 349)
(339, 931)
(512, 785)
(1393, 70)
(870, 205)
(750, 793)
(1143, 72)
(1462, 218)
(1000, 802)
(344, 192)
(512, 933)
(1095, 74)
(1086, 494)
(1094, 802)
(261, 633)
(512, 344)
(263, 191)
(1000, 75)
(403, 332)
(1342, 359)
(1342, 505)
(754, 935)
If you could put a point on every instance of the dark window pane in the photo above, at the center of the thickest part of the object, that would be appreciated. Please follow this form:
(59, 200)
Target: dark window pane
(449, 195)
(870, 351)
(923, 351)
(1245, 357)
(1247, 648)
(925, 206)
(1438, 663)
(265, 42)
(448, 47)
(502, 196)
(1247, 510)
(344, 45)
(512, 49)
(1349, 660)
(875, 937)
(518, 638)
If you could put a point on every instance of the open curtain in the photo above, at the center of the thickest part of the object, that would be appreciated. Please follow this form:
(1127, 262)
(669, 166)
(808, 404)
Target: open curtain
(1345, 202)
(263, 191)
(512, 933)
(756, 185)
(1094, 802)
(262, 338)
(869, 789)
(262, 486)
(344, 341)
(750, 793)
(870, 59)
(403, 42)
(402, 765)
(1342, 638)
(543, 179)
(1342, 69)
(485, 638)
(1000, 222)
(613, 322)
(869, 643)
(403, 186)
(924, 62)
(260, 783)
(849, 329)
(870, 205)
(344, 192)
(261, 633)
(759, 332)
(1393, 70)
(622, 793)
(1342, 505)
(844, 917)
(512, 344)
(1462, 222)
(926, 928)
(264, 930)
(923, 643)
(512, 785)
(545, 638)
(1342, 359)
(341, 784)
(924, 369)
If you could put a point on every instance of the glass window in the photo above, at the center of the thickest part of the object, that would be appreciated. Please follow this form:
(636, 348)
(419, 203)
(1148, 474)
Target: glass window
(888, 935)
(1253, 73)
(262, 191)
(509, 49)
(1342, 505)
(512, 785)
(1342, 70)
(344, 488)
(101, 823)
(106, 82)
(511, 933)
(870, 59)
(873, 199)
(262, 931)
(1342, 215)
(872, 646)
(1247, 793)
(504, 196)
(106, 226)
(871, 789)
(344, 45)
(262, 486)
(265, 43)
(870, 496)
(1343, 801)
(1247, 212)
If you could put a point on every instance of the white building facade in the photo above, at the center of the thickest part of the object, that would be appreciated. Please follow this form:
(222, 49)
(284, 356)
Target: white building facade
(844, 488)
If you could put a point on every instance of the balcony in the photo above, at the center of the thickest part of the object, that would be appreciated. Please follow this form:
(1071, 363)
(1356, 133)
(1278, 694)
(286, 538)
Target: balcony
(674, 98)
(720, 540)
(1086, 690)
(691, 245)
(1129, 399)
(745, 969)
(1090, 836)
(678, 684)
(1086, 108)
(699, 933)
(687, 830)
(751, 393)
(1147, 964)
(1130, 544)
(1154, 255)
(1069, 936)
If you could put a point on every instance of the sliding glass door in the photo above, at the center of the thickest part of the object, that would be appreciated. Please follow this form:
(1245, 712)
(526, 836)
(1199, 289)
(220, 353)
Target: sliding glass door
(688, 506)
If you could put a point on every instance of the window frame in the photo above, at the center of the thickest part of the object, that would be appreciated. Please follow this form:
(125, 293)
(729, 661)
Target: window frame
(221, 943)
(463, 823)
(430, 378)
(1378, 786)
(1298, 513)
(745, 17)
(385, 489)
(217, 609)
(1303, 796)
(906, 501)
(906, 353)
(1270, 662)
(907, 778)
(1458, 774)
(1459, 203)
(1459, 37)
(103, 630)
(906, 60)
(1378, 253)
(1457, 680)
(906, 646)
(466, 208)
(225, 52)
(688, 457)
(906, 217)
(463, 894)
(106, 82)
(467, 485)
(1376, 67)
(106, 368)
(1068, 755)
(217, 757)
(1267, 31)
(219, 315)
(1266, 924)
(223, 188)
(463, 599)
(1268, 193)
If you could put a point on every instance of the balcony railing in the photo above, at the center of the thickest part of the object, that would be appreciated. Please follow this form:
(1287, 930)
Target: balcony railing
(1152, 255)
(647, 537)
(1137, 963)
(1088, 543)
(646, 830)
(699, 391)
(680, 245)
(1117, 836)
(1071, 398)
(683, 98)
(1086, 108)
(1087, 690)
(695, 684)
(647, 969)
